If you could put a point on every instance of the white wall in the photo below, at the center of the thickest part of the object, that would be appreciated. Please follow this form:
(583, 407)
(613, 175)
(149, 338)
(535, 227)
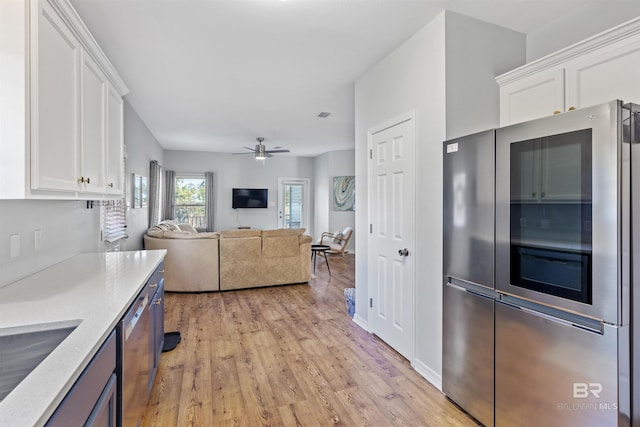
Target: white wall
(67, 229)
(321, 195)
(583, 22)
(327, 166)
(416, 76)
(142, 147)
(476, 53)
(243, 171)
(410, 78)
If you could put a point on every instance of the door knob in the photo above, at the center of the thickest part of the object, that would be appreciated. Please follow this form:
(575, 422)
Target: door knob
(403, 252)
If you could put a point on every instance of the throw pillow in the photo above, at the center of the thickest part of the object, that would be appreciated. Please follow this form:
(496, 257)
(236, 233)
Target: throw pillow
(337, 237)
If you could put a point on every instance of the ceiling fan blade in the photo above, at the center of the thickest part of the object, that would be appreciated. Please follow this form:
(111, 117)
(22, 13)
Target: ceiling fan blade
(244, 153)
(277, 151)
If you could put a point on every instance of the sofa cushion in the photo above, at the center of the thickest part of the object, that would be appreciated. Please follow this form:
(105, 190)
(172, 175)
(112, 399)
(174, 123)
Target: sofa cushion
(280, 247)
(283, 232)
(187, 227)
(168, 224)
(188, 235)
(239, 233)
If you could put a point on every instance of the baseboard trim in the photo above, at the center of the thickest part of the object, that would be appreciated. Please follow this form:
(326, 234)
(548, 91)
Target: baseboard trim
(362, 322)
(428, 374)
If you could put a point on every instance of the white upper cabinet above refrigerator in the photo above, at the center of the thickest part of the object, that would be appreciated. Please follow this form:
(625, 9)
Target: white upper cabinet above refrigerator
(594, 71)
(62, 117)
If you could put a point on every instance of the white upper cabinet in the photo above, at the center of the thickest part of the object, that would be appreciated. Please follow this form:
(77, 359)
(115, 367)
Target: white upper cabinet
(93, 127)
(55, 104)
(73, 144)
(115, 149)
(597, 70)
(606, 74)
(536, 96)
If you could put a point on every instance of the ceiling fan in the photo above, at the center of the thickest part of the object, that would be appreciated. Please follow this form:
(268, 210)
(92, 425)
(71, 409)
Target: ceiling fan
(261, 151)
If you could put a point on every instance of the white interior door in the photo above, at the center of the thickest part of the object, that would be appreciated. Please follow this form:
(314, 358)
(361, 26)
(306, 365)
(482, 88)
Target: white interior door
(391, 235)
(293, 202)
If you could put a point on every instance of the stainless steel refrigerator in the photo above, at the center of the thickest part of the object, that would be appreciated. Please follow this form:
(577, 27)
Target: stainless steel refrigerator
(468, 267)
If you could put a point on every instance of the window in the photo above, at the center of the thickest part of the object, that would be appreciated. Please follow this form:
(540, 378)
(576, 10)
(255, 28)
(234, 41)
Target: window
(189, 204)
(115, 221)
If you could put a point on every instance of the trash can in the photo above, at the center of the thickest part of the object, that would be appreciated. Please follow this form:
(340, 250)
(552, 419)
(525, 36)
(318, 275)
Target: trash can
(350, 299)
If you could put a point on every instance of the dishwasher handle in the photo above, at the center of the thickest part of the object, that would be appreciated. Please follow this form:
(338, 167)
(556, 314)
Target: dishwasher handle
(131, 324)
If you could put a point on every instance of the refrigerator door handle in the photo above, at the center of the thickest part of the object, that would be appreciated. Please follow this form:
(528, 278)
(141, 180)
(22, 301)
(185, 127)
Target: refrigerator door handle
(471, 291)
(555, 319)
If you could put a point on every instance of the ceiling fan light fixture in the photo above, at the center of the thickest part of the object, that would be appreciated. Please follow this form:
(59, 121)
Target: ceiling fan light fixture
(261, 153)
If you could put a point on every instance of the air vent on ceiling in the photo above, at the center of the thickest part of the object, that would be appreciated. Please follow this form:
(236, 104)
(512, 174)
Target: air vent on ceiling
(324, 114)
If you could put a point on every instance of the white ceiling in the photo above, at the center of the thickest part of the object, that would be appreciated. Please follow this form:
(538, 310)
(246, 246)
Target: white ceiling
(212, 75)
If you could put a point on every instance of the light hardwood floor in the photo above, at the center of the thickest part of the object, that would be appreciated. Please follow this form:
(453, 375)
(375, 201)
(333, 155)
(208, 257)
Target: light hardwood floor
(287, 356)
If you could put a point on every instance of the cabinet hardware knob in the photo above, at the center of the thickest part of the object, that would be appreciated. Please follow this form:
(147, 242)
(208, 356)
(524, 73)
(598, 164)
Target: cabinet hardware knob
(158, 301)
(155, 285)
(557, 112)
(110, 184)
(88, 180)
(572, 108)
(81, 179)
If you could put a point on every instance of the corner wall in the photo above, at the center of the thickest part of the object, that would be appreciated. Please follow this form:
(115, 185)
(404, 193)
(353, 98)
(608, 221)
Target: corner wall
(327, 166)
(142, 147)
(411, 78)
(429, 74)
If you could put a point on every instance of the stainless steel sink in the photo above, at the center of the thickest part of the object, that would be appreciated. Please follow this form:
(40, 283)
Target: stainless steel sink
(23, 348)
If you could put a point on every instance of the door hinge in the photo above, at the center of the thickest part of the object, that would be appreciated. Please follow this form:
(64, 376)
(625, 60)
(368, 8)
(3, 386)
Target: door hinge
(371, 153)
(370, 228)
(370, 302)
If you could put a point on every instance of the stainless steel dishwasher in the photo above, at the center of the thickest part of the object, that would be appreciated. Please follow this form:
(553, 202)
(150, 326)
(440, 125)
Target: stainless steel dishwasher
(134, 331)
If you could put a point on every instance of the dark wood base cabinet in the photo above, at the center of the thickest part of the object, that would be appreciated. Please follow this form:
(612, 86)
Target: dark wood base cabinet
(92, 399)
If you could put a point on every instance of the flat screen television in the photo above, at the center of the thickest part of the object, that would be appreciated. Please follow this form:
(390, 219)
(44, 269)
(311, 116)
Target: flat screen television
(244, 198)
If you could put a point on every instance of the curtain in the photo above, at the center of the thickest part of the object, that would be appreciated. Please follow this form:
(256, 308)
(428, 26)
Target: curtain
(209, 188)
(169, 193)
(155, 193)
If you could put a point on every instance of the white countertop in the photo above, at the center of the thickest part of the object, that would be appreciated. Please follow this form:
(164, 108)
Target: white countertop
(95, 289)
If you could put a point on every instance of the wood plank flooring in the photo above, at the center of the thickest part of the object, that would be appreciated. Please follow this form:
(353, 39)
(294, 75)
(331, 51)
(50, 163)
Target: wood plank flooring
(287, 356)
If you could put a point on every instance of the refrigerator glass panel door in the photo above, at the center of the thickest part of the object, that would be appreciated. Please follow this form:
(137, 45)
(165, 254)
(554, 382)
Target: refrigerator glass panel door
(558, 210)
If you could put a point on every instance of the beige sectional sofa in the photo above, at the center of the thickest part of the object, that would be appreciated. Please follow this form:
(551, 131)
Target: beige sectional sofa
(191, 264)
(254, 258)
(231, 259)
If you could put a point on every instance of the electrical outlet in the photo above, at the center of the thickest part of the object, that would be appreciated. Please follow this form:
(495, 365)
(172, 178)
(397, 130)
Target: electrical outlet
(14, 245)
(37, 239)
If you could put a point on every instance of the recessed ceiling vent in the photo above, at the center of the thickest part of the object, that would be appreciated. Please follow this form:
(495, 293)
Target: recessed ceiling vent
(324, 114)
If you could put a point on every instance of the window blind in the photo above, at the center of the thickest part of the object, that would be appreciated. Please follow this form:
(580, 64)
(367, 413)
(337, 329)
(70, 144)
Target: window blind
(115, 221)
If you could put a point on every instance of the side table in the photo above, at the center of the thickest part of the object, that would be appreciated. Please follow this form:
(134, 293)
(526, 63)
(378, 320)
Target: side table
(314, 254)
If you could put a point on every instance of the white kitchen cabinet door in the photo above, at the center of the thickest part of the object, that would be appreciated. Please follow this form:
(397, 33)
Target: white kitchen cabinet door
(55, 104)
(532, 97)
(606, 74)
(93, 125)
(115, 142)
